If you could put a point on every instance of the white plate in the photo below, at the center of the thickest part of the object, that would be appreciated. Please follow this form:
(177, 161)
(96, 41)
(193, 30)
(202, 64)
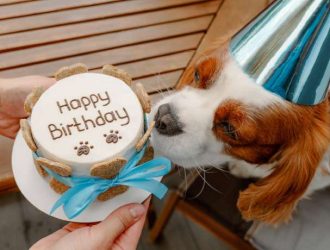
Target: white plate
(38, 192)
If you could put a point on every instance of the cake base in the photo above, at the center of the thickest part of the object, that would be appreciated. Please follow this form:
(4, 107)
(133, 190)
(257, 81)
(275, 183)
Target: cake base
(37, 191)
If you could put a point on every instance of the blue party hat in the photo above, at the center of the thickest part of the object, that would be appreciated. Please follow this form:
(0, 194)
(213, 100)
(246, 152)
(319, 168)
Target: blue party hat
(286, 49)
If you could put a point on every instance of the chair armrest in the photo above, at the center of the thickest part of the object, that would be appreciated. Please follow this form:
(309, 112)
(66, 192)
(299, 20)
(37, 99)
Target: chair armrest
(6, 175)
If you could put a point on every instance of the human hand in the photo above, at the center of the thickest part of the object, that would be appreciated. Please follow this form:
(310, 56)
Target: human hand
(120, 230)
(12, 96)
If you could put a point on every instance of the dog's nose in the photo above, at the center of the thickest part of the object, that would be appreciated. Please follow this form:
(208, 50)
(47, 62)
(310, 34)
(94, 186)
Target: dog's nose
(167, 122)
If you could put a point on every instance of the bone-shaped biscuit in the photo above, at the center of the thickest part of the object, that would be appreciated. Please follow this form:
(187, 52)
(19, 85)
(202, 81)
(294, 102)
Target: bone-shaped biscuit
(31, 99)
(143, 97)
(108, 169)
(59, 168)
(148, 155)
(118, 73)
(27, 135)
(74, 69)
(112, 192)
(57, 186)
(40, 169)
(145, 137)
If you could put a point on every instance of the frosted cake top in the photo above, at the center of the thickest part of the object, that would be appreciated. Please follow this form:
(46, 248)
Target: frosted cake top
(85, 119)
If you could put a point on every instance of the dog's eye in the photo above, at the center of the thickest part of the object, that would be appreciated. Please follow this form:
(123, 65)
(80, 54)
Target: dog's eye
(197, 76)
(228, 129)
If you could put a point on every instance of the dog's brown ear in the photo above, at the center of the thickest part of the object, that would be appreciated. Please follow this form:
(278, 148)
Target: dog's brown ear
(187, 77)
(218, 48)
(273, 199)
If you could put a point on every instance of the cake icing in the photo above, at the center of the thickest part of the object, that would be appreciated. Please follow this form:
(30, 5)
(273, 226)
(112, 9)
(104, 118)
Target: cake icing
(87, 118)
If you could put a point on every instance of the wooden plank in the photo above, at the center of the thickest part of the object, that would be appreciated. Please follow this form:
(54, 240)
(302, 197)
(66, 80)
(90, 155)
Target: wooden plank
(204, 239)
(55, 34)
(37, 7)
(13, 189)
(6, 174)
(230, 19)
(101, 42)
(176, 236)
(85, 14)
(7, 2)
(160, 82)
(165, 215)
(7, 182)
(158, 65)
(114, 56)
(213, 226)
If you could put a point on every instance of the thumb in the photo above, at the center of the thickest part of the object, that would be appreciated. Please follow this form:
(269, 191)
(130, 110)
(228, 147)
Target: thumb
(116, 223)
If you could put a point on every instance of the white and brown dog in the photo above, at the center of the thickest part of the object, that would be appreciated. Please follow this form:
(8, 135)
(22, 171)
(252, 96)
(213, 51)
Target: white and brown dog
(218, 114)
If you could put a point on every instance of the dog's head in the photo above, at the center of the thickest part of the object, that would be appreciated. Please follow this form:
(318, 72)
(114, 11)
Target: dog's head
(218, 113)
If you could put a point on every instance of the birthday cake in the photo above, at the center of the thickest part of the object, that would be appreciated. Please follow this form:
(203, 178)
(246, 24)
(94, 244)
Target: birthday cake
(86, 124)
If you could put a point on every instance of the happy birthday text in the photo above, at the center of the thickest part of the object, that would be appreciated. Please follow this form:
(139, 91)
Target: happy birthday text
(82, 122)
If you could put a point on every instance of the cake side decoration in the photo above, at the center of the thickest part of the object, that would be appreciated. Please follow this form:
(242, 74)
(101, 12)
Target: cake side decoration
(89, 137)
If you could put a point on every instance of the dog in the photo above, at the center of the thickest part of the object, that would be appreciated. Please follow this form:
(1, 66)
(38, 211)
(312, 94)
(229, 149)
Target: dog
(217, 115)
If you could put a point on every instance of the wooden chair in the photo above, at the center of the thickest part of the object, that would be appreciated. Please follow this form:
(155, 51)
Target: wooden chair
(214, 208)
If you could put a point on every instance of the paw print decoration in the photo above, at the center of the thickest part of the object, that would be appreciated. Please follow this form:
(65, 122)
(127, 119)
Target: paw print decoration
(84, 148)
(113, 137)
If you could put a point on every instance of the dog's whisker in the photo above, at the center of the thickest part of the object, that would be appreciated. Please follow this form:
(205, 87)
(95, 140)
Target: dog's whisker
(202, 189)
(206, 182)
(186, 182)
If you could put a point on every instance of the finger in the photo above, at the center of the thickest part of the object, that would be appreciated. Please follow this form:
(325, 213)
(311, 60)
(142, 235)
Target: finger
(6, 121)
(146, 203)
(9, 132)
(117, 222)
(74, 226)
(34, 81)
(16, 94)
(43, 81)
(130, 238)
(13, 131)
(49, 240)
(59, 234)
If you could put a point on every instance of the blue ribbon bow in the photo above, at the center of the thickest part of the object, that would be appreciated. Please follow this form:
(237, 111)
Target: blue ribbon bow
(84, 190)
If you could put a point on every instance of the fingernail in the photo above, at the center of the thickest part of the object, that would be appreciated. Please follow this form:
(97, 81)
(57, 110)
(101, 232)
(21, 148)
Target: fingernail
(137, 211)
